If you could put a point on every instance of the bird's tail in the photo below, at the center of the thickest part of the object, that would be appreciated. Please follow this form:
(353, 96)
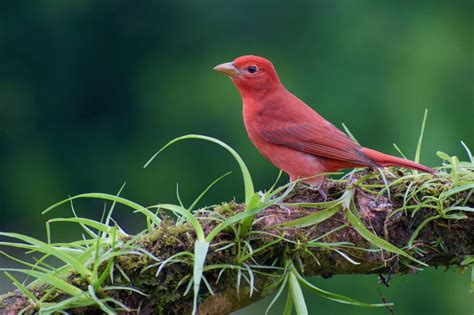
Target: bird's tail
(389, 160)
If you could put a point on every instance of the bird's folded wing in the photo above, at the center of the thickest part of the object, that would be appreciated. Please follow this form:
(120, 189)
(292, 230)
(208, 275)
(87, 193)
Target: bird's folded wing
(323, 140)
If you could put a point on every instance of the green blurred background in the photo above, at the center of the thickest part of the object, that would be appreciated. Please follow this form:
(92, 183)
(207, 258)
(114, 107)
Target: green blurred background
(90, 89)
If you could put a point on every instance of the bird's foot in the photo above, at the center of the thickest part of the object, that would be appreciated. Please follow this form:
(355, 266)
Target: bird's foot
(283, 207)
(319, 189)
(279, 203)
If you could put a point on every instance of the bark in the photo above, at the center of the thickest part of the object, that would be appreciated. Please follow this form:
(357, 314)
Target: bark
(442, 243)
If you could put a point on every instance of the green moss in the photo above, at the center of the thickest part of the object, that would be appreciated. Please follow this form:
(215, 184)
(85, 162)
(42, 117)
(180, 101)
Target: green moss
(227, 209)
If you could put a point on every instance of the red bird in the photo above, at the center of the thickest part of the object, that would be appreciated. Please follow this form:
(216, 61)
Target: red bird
(291, 134)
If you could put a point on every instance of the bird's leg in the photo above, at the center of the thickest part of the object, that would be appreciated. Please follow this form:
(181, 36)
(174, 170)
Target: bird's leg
(319, 189)
(282, 206)
(316, 184)
(280, 202)
(284, 196)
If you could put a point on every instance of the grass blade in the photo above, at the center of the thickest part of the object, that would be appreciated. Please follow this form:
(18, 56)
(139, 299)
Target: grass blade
(468, 209)
(357, 224)
(191, 207)
(231, 220)
(248, 184)
(200, 253)
(337, 297)
(51, 250)
(188, 215)
(349, 133)
(88, 222)
(277, 295)
(455, 190)
(314, 218)
(420, 139)
(276, 181)
(419, 228)
(296, 294)
(50, 279)
(116, 287)
(32, 266)
(22, 288)
(289, 304)
(150, 215)
(112, 207)
(469, 154)
(399, 150)
(99, 302)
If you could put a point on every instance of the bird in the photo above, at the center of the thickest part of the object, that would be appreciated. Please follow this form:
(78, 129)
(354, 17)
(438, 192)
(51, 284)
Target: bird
(291, 134)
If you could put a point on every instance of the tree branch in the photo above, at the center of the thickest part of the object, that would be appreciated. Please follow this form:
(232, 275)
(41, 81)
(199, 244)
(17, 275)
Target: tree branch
(442, 241)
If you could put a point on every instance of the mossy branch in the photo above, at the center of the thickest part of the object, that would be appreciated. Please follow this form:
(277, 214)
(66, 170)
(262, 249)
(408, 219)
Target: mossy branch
(241, 271)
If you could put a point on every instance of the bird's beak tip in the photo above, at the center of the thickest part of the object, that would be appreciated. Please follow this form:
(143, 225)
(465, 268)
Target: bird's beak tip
(227, 68)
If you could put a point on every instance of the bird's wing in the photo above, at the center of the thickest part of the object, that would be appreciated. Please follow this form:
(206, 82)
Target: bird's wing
(318, 138)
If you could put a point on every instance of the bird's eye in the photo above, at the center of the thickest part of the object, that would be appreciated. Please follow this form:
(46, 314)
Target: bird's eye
(252, 69)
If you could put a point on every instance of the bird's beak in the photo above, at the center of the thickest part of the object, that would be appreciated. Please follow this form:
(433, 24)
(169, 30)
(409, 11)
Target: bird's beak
(228, 68)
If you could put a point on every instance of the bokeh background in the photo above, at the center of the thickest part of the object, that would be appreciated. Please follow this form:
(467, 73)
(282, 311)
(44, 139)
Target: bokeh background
(90, 89)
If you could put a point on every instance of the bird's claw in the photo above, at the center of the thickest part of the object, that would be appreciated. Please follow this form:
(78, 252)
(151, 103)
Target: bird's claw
(319, 190)
(282, 206)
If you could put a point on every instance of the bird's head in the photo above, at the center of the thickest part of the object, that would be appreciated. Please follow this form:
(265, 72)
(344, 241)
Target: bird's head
(251, 74)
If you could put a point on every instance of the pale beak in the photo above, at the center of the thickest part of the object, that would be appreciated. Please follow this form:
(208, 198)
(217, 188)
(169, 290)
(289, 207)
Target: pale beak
(228, 68)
